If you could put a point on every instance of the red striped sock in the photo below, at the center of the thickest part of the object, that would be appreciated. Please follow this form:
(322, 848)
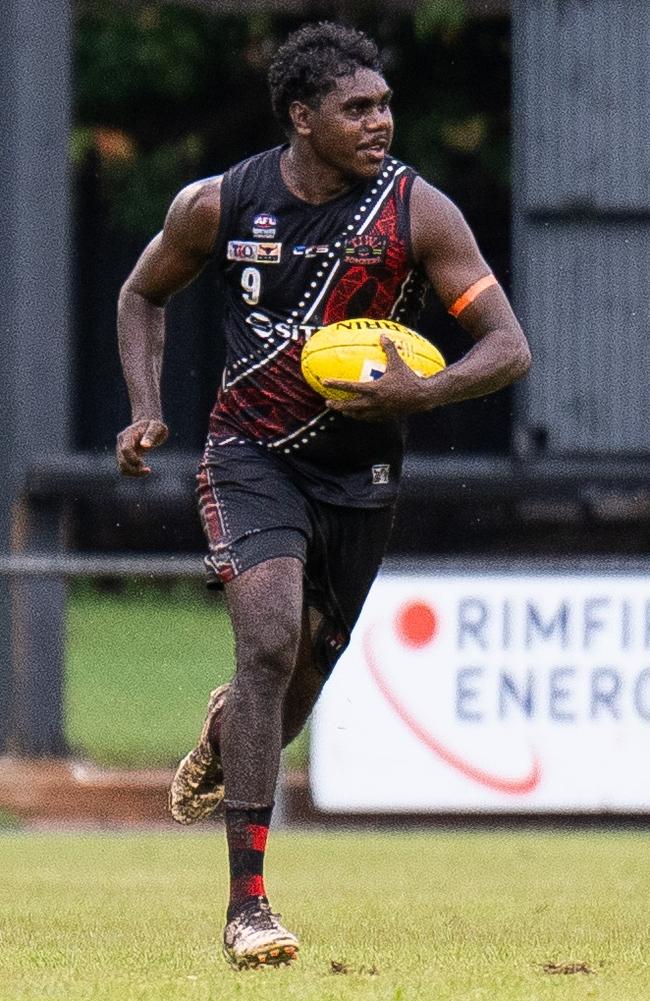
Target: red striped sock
(246, 832)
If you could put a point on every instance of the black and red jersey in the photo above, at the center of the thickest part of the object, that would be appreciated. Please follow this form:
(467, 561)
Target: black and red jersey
(291, 267)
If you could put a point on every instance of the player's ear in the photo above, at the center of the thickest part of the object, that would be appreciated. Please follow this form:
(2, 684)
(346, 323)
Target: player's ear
(301, 115)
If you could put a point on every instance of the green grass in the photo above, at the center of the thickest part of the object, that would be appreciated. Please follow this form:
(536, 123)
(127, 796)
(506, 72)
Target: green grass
(139, 666)
(446, 917)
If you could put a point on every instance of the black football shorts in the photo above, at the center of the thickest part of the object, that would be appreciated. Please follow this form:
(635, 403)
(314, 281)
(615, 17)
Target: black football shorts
(252, 510)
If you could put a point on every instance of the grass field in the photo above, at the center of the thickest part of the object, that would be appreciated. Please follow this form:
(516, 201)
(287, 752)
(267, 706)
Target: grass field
(446, 917)
(139, 666)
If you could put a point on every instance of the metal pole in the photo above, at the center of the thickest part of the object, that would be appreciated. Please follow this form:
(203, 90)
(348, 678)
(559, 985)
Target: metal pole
(34, 355)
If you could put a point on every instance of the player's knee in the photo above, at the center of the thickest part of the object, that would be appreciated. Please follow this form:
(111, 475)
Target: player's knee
(273, 650)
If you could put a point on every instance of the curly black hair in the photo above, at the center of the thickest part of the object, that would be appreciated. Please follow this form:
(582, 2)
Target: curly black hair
(308, 64)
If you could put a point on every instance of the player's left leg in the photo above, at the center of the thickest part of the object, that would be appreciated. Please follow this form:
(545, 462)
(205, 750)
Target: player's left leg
(306, 681)
(265, 606)
(342, 562)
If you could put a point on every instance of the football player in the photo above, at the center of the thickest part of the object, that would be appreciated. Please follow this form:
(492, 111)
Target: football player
(296, 494)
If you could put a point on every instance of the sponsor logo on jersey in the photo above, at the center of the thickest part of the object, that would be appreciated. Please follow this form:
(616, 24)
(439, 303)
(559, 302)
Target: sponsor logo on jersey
(365, 249)
(254, 250)
(265, 226)
(265, 328)
(311, 251)
(380, 474)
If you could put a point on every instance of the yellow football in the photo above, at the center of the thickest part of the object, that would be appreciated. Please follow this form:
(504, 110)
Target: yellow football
(351, 350)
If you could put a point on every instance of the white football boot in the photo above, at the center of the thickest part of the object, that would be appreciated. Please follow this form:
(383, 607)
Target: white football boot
(255, 938)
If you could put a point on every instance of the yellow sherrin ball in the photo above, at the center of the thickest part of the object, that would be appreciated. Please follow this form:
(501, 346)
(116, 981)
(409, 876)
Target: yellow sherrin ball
(351, 350)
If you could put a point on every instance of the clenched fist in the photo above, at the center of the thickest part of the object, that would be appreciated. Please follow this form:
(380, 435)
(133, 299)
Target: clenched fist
(135, 441)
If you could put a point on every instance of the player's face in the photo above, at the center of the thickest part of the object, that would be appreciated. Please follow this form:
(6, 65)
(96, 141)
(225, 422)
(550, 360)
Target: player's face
(352, 128)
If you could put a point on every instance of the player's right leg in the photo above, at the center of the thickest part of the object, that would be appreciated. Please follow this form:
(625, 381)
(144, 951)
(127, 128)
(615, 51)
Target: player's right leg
(341, 572)
(240, 749)
(197, 787)
(251, 512)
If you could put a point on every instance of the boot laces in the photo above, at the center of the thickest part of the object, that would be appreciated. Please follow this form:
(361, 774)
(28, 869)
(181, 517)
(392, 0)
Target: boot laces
(261, 917)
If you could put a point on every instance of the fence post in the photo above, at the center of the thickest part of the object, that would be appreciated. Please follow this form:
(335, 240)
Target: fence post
(34, 332)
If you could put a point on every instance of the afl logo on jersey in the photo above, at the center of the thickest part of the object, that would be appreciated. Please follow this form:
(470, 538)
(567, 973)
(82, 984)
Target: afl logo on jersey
(253, 250)
(265, 226)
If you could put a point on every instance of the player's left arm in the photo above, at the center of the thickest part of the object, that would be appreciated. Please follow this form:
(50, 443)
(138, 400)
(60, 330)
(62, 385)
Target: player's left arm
(444, 246)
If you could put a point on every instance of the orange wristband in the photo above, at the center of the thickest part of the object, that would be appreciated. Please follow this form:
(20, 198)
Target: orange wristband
(468, 297)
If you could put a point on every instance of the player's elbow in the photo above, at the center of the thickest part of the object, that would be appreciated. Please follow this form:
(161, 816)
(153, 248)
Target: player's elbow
(525, 358)
(520, 357)
(128, 297)
(132, 298)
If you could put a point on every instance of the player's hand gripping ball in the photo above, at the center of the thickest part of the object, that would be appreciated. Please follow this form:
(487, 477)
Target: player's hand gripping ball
(352, 350)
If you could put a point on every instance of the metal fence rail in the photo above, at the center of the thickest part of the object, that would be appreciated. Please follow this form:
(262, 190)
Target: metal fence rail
(173, 566)
(481, 506)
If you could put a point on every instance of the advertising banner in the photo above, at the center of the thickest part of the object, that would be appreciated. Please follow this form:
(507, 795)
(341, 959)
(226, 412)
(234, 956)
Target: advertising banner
(498, 693)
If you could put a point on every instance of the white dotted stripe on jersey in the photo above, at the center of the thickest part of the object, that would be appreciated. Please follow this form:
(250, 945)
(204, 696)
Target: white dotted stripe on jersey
(386, 175)
(389, 174)
(259, 364)
(367, 221)
(359, 232)
(302, 430)
(381, 200)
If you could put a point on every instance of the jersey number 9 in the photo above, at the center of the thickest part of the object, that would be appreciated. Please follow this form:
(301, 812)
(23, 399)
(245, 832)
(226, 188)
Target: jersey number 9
(251, 282)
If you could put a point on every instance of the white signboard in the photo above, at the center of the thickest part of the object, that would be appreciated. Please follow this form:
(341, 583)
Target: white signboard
(496, 693)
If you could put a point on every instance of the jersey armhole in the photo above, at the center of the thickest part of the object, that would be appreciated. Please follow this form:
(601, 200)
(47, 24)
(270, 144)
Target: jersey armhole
(225, 216)
(405, 197)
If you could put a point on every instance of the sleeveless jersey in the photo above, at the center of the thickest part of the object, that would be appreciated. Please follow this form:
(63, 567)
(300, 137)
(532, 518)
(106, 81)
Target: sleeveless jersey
(291, 267)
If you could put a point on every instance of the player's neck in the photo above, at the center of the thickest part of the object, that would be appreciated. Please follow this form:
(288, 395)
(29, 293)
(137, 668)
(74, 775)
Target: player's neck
(310, 178)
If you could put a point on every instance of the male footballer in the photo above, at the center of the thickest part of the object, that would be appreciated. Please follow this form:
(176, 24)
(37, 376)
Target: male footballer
(296, 494)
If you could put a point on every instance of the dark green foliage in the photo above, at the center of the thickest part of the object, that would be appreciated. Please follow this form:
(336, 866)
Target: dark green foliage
(177, 93)
(433, 15)
(167, 82)
(152, 53)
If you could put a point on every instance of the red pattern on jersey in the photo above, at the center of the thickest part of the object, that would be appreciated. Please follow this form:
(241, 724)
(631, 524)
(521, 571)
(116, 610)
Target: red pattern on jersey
(270, 403)
(375, 286)
(274, 401)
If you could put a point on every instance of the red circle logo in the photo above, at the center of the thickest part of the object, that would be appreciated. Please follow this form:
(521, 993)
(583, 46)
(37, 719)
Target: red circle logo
(416, 624)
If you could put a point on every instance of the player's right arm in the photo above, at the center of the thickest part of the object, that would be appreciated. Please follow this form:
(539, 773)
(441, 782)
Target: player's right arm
(170, 262)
